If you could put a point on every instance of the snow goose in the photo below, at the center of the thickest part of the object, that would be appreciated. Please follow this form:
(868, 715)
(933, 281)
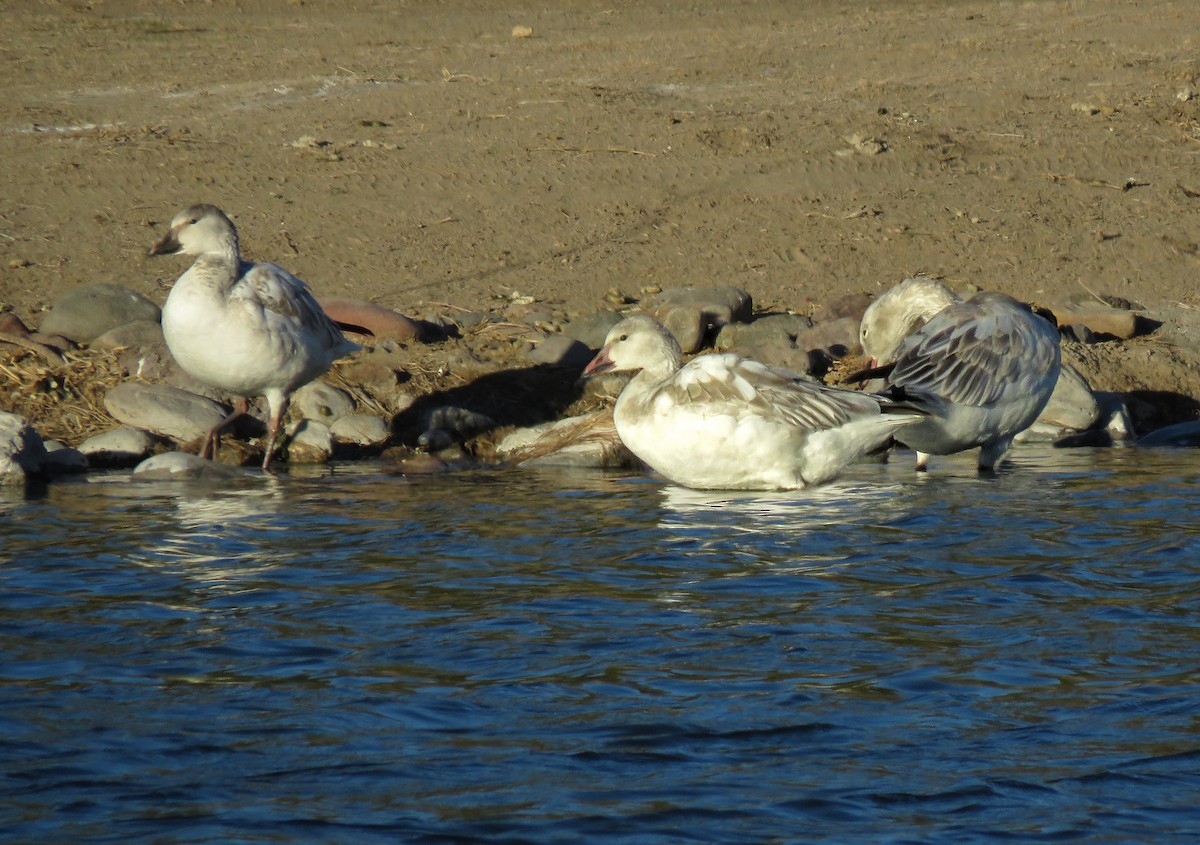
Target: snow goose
(242, 327)
(724, 422)
(982, 369)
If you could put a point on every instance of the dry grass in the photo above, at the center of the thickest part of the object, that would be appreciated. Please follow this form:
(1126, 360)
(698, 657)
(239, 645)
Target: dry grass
(62, 402)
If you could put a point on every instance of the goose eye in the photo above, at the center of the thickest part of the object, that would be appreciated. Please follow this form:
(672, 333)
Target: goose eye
(623, 337)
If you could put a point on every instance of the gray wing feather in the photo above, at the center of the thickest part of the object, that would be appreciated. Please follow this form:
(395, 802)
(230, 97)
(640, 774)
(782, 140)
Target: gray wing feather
(972, 352)
(721, 384)
(277, 292)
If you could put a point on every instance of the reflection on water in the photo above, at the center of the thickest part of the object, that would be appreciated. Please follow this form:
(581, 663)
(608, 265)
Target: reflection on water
(504, 656)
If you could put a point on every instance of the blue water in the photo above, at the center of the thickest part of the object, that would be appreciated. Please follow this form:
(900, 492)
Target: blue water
(508, 656)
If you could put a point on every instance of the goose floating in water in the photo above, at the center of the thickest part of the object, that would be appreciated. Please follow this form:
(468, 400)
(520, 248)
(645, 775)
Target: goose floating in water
(981, 369)
(725, 422)
(242, 327)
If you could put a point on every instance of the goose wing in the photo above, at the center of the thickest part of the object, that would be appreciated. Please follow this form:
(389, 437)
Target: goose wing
(284, 298)
(973, 352)
(727, 384)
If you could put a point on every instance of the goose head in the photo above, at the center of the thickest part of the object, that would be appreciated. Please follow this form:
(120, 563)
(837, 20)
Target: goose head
(199, 230)
(899, 312)
(637, 343)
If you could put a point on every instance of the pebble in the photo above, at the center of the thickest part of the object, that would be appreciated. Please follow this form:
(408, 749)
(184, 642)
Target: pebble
(1181, 434)
(323, 402)
(22, 452)
(310, 442)
(118, 447)
(132, 335)
(356, 316)
(1072, 408)
(84, 313)
(183, 466)
(592, 329)
(165, 410)
(360, 430)
(1097, 319)
(63, 460)
(560, 349)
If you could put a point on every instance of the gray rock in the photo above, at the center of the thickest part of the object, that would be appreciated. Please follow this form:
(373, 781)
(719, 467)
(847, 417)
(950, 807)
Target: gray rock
(182, 466)
(66, 461)
(119, 447)
(22, 453)
(592, 329)
(838, 338)
(1186, 434)
(322, 402)
(775, 340)
(460, 422)
(689, 323)
(1115, 416)
(694, 313)
(85, 313)
(728, 303)
(1072, 408)
(361, 430)
(133, 335)
(152, 363)
(169, 411)
(309, 442)
(561, 349)
(435, 440)
(765, 332)
(852, 305)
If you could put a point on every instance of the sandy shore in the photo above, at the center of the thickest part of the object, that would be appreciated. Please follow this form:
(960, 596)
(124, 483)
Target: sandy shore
(436, 157)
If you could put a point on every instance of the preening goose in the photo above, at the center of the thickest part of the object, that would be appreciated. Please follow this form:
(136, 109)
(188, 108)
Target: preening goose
(982, 370)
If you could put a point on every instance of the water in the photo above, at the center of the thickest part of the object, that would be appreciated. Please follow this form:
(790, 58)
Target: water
(526, 657)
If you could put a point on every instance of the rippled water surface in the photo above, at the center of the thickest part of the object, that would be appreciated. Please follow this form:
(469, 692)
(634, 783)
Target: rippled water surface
(532, 657)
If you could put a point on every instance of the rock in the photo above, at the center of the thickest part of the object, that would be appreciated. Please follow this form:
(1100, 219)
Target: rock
(837, 337)
(592, 329)
(169, 411)
(63, 460)
(1096, 437)
(1072, 406)
(181, 466)
(690, 324)
(1098, 319)
(361, 430)
(852, 305)
(1115, 414)
(119, 447)
(691, 313)
(435, 440)
(416, 465)
(367, 318)
(133, 335)
(322, 402)
(561, 349)
(1186, 434)
(309, 442)
(460, 422)
(85, 313)
(11, 324)
(22, 453)
(378, 377)
(152, 363)
(790, 341)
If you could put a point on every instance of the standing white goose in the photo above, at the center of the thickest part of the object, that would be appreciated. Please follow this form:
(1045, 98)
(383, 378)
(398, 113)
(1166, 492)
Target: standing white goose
(982, 369)
(242, 327)
(724, 422)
